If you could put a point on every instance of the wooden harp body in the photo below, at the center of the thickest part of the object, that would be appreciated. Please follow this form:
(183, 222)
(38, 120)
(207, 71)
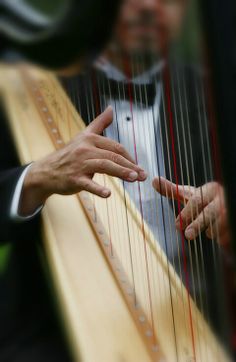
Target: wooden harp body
(106, 319)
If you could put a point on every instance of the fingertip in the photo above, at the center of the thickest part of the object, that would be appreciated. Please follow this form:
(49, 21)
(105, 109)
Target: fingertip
(208, 234)
(190, 233)
(105, 193)
(107, 117)
(142, 175)
(109, 108)
(155, 183)
(109, 111)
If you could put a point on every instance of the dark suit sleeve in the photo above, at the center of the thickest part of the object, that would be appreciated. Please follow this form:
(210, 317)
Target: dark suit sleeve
(9, 228)
(10, 172)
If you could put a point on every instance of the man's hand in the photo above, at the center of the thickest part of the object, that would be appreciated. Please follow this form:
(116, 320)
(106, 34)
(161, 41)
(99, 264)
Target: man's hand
(71, 169)
(204, 208)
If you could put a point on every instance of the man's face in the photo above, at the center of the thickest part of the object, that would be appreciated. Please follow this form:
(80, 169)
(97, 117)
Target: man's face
(148, 25)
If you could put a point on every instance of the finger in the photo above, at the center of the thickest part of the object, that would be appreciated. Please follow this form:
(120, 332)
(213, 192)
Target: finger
(122, 161)
(93, 187)
(220, 232)
(205, 218)
(218, 227)
(101, 122)
(191, 210)
(225, 238)
(110, 168)
(113, 146)
(170, 189)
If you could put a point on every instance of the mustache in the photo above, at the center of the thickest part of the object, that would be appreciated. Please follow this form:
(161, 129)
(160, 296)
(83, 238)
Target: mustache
(148, 20)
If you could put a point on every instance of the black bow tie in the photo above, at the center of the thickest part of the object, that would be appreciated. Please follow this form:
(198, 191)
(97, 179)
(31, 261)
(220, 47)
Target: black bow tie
(140, 94)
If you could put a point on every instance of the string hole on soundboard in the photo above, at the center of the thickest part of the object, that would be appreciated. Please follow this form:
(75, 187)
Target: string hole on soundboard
(155, 348)
(148, 333)
(130, 291)
(142, 319)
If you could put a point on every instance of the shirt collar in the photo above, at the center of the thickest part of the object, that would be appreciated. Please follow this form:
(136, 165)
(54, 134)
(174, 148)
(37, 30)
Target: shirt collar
(114, 73)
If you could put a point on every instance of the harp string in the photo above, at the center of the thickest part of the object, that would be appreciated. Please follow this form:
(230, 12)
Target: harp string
(139, 242)
(193, 252)
(213, 242)
(214, 168)
(136, 130)
(91, 106)
(94, 100)
(161, 223)
(176, 99)
(172, 138)
(147, 122)
(142, 240)
(128, 72)
(169, 169)
(178, 118)
(205, 155)
(216, 270)
(117, 106)
(166, 241)
(138, 68)
(129, 226)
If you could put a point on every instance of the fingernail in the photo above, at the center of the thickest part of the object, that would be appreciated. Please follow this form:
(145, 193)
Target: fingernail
(109, 108)
(105, 193)
(132, 176)
(142, 175)
(190, 233)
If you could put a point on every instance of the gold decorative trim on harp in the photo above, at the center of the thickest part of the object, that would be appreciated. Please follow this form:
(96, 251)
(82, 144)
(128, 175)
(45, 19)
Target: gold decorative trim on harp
(94, 283)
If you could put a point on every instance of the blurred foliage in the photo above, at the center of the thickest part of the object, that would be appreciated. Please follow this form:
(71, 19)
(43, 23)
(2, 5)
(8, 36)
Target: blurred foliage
(5, 251)
(189, 47)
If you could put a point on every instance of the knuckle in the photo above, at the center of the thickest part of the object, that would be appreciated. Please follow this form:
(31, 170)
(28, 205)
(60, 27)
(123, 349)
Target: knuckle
(101, 164)
(196, 226)
(125, 173)
(72, 181)
(119, 148)
(92, 137)
(84, 184)
(197, 200)
(115, 158)
(82, 149)
(213, 184)
(209, 233)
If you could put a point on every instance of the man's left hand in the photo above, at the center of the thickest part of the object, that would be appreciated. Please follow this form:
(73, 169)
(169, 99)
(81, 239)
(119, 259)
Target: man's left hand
(204, 208)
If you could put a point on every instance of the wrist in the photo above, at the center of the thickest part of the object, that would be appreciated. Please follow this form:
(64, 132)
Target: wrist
(34, 191)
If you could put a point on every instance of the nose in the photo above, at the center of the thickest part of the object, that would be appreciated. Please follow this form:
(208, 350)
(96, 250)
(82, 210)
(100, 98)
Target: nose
(148, 5)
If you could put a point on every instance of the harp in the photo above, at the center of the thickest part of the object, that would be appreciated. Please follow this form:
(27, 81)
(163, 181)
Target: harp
(121, 297)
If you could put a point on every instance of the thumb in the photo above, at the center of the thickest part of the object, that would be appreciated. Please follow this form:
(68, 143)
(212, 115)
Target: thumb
(169, 189)
(101, 122)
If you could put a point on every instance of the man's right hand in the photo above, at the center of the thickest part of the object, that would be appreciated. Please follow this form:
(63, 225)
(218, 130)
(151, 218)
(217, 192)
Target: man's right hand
(71, 169)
